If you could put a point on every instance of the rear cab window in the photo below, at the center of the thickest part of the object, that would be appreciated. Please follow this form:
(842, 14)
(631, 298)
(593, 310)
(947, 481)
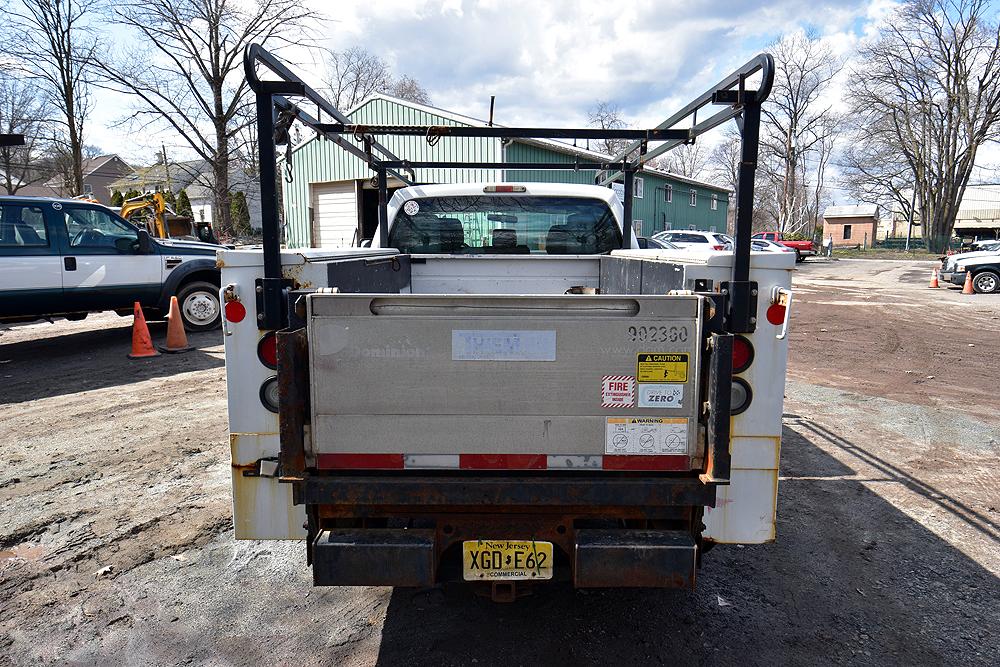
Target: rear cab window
(689, 238)
(505, 224)
(22, 226)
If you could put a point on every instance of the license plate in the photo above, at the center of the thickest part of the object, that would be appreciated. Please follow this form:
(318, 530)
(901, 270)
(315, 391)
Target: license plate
(492, 560)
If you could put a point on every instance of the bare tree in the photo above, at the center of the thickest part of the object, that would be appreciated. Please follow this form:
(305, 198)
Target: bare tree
(355, 74)
(607, 116)
(187, 72)
(926, 98)
(22, 111)
(822, 153)
(724, 160)
(795, 120)
(723, 168)
(51, 43)
(690, 160)
(408, 88)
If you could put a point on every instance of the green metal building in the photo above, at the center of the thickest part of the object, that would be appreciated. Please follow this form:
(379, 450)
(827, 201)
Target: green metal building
(331, 200)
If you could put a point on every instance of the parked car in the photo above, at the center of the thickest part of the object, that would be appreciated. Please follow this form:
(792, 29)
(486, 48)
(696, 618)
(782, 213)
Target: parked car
(802, 249)
(984, 266)
(68, 258)
(647, 243)
(985, 245)
(763, 245)
(686, 238)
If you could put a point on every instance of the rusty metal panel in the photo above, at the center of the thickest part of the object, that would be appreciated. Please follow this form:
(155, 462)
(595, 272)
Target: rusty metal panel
(436, 492)
(634, 558)
(720, 379)
(293, 387)
(374, 557)
(262, 506)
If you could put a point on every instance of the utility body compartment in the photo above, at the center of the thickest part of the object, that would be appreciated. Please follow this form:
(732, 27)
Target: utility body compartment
(508, 382)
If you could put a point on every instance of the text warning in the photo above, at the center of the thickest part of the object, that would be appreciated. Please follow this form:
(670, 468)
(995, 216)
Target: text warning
(662, 367)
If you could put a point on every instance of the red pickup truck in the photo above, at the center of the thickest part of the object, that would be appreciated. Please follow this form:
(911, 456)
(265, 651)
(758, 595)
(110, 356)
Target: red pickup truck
(802, 249)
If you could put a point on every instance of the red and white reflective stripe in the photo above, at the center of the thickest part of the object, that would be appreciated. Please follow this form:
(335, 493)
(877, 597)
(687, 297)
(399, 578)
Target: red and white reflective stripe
(617, 391)
(672, 462)
(362, 461)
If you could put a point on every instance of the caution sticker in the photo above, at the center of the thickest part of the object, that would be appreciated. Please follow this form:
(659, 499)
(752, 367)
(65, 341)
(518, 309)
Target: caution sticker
(662, 367)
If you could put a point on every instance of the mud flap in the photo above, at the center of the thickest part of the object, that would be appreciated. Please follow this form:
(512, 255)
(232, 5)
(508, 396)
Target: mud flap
(262, 507)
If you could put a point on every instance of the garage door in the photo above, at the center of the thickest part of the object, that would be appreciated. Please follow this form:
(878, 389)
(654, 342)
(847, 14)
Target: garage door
(335, 214)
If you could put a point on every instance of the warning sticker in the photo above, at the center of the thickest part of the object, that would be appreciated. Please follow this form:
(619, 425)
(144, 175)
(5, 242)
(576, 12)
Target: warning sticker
(661, 395)
(662, 367)
(617, 391)
(646, 435)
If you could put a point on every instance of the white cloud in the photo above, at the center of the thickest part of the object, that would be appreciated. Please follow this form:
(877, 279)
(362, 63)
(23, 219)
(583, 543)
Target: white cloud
(549, 61)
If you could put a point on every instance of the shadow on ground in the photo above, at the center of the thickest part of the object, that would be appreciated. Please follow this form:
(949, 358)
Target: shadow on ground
(92, 359)
(851, 579)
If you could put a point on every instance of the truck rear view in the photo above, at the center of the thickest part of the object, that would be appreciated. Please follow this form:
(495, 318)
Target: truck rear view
(504, 390)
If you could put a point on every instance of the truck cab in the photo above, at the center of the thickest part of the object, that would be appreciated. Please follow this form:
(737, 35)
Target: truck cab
(507, 219)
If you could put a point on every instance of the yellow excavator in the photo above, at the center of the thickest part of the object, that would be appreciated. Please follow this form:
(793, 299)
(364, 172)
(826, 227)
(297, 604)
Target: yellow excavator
(152, 212)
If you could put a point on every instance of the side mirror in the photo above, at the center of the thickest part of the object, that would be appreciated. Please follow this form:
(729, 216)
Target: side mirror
(145, 243)
(366, 243)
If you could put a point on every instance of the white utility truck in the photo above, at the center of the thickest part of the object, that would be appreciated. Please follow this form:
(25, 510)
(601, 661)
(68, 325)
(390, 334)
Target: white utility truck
(503, 389)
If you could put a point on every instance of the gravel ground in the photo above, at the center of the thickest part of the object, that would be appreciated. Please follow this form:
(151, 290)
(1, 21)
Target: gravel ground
(116, 547)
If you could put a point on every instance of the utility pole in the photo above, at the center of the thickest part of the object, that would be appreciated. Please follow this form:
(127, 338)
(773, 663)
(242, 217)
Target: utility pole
(909, 218)
(166, 167)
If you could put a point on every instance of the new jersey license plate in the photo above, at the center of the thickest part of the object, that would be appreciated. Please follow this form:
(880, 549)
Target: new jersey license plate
(492, 560)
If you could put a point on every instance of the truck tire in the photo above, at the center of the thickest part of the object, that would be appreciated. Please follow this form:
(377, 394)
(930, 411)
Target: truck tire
(986, 282)
(199, 305)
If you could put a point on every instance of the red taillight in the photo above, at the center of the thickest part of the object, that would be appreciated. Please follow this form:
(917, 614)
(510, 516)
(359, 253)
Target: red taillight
(742, 354)
(235, 311)
(267, 350)
(776, 314)
(504, 188)
(718, 247)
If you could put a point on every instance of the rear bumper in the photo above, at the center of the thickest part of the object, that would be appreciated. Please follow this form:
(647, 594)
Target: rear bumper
(608, 531)
(600, 558)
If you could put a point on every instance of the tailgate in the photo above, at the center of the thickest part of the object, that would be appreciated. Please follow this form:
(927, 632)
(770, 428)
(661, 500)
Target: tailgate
(577, 382)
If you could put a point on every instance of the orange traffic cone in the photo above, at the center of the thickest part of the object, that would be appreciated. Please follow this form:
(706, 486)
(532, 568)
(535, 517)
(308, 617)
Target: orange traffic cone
(142, 344)
(934, 279)
(176, 338)
(967, 289)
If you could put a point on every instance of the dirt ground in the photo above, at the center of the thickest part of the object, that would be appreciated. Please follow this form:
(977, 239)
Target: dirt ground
(116, 546)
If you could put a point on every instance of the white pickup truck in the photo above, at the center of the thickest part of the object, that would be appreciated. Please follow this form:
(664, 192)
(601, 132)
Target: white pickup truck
(68, 258)
(504, 382)
(504, 390)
